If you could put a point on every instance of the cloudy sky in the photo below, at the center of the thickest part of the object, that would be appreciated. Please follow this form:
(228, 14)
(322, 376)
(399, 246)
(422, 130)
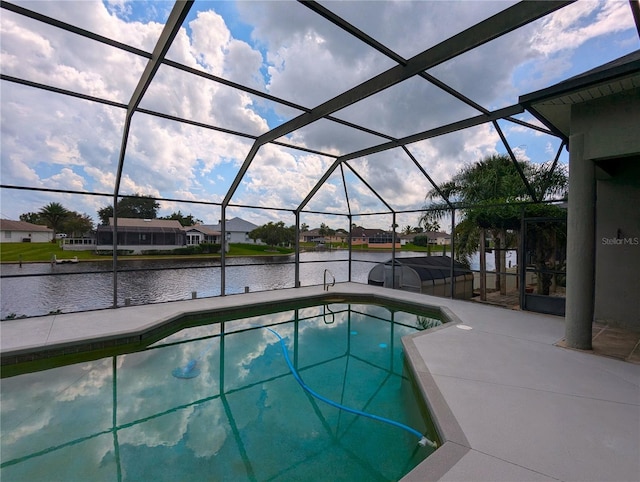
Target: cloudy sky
(54, 141)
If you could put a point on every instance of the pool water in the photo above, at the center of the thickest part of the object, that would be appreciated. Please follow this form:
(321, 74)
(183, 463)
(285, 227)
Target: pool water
(243, 417)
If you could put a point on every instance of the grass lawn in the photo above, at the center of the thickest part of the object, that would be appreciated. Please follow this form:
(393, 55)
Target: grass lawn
(434, 249)
(238, 249)
(34, 252)
(43, 252)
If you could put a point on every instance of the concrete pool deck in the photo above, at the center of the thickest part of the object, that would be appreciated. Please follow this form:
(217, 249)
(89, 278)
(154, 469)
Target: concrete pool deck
(509, 404)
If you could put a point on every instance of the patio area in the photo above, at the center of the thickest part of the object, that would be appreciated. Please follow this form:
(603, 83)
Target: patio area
(509, 403)
(521, 407)
(608, 339)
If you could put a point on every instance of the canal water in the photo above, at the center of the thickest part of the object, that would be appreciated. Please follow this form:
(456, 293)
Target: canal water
(89, 285)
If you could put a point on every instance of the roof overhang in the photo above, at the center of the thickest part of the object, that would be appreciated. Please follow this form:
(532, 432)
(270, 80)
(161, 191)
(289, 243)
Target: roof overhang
(552, 106)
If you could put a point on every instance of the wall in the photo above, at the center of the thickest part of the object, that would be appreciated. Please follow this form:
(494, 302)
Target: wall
(611, 125)
(617, 294)
(18, 236)
(136, 248)
(241, 237)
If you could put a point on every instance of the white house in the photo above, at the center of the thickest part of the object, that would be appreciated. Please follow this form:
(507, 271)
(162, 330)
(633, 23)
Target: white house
(198, 234)
(24, 232)
(237, 230)
(439, 238)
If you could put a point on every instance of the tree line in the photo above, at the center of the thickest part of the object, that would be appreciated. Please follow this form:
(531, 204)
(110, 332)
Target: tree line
(60, 219)
(488, 195)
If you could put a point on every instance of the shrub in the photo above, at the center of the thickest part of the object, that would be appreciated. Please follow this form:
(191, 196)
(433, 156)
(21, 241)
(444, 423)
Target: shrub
(210, 248)
(184, 251)
(421, 241)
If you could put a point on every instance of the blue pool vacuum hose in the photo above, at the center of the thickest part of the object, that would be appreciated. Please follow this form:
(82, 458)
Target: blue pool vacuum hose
(422, 439)
(191, 370)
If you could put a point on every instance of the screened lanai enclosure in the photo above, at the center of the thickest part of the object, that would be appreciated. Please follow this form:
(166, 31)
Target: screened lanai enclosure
(343, 114)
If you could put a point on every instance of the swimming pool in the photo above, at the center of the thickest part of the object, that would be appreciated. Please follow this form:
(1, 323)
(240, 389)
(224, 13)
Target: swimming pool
(243, 417)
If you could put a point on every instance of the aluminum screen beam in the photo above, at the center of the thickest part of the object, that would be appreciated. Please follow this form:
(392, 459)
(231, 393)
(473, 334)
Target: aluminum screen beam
(426, 174)
(438, 131)
(355, 173)
(58, 90)
(243, 170)
(320, 182)
(547, 181)
(527, 186)
(360, 35)
(352, 30)
(500, 24)
(635, 10)
(176, 65)
(172, 27)
(263, 95)
(182, 120)
(73, 29)
(169, 32)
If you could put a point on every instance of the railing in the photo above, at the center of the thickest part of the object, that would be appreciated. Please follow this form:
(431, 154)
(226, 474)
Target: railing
(324, 315)
(326, 285)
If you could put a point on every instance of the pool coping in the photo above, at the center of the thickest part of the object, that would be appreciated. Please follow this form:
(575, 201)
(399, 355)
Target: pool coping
(188, 314)
(78, 336)
(453, 442)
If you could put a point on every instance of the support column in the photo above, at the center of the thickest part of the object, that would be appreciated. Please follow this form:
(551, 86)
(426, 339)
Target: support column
(580, 247)
(483, 266)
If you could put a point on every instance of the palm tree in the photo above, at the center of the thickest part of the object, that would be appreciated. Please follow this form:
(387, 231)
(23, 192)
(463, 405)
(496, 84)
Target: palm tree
(324, 230)
(55, 214)
(486, 192)
(430, 226)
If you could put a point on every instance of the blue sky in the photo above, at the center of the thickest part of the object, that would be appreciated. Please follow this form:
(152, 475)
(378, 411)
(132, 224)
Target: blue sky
(280, 48)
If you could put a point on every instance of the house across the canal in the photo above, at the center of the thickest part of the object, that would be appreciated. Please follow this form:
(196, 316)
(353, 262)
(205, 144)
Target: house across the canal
(24, 232)
(373, 238)
(138, 236)
(199, 233)
(237, 230)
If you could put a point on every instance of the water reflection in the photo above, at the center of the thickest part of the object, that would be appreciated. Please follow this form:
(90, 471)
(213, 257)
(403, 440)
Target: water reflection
(91, 284)
(243, 418)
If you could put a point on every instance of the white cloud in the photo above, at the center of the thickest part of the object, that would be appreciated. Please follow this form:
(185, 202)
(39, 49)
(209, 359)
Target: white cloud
(550, 149)
(521, 153)
(66, 179)
(309, 59)
(278, 178)
(242, 65)
(54, 57)
(572, 26)
(209, 39)
(411, 27)
(49, 140)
